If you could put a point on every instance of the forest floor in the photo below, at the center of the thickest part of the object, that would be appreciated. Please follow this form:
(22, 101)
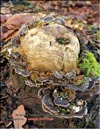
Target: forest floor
(81, 15)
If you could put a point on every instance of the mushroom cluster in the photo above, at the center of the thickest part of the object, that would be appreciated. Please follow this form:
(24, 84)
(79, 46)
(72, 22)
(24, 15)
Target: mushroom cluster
(45, 54)
(62, 102)
(66, 100)
(45, 45)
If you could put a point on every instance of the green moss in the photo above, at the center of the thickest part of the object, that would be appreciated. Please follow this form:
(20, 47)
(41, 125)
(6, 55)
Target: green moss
(89, 64)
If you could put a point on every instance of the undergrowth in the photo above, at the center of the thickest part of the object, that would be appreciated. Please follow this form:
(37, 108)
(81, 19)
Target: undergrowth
(89, 64)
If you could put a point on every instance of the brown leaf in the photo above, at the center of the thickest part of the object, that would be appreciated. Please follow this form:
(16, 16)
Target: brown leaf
(18, 117)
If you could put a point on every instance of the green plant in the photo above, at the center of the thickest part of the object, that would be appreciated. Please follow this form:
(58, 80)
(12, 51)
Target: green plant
(89, 64)
(98, 34)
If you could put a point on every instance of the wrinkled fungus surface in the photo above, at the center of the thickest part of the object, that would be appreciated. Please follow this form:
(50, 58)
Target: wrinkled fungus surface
(49, 46)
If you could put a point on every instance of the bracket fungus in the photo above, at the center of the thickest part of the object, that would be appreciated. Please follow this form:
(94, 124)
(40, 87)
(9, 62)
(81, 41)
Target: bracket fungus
(62, 106)
(45, 53)
(45, 47)
(68, 101)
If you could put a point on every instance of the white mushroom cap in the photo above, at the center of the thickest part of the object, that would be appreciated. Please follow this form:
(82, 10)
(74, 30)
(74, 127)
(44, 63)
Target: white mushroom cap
(44, 53)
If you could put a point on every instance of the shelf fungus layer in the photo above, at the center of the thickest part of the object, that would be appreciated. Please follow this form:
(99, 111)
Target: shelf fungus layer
(68, 100)
(62, 104)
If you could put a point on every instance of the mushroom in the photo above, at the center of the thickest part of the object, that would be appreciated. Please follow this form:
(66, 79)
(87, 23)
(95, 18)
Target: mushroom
(59, 101)
(55, 104)
(47, 103)
(79, 112)
(40, 93)
(45, 46)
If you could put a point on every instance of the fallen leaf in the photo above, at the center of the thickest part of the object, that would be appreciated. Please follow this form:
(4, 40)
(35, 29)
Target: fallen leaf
(19, 118)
